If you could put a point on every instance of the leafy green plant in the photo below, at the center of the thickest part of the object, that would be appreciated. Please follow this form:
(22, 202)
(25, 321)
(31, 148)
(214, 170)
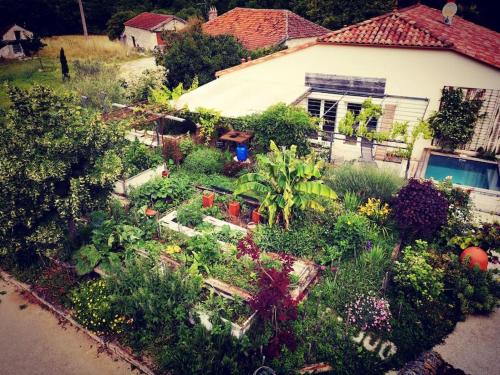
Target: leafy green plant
(186, 145)
(209, 119)
(138, 157)
(284, 125)
(366, 182)
(161, 193)
(416, 276)
(203, 251)
(204, 160)
(108, 240)
(190, 214)
(351, 201)
(59, 163)
(453, 124)
(369, 111)
(351, 234)
(155, 301)
(285, 182)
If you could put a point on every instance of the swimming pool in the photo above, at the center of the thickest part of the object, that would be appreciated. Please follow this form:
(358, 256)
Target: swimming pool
(466, 172)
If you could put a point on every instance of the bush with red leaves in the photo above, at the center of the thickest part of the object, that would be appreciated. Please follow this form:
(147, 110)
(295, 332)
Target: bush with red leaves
(172, 150)
(420, 209)
(273, 301)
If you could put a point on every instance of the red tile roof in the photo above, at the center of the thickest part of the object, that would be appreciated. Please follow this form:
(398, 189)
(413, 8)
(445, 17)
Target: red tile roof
(258, 28)
(422, 27)
(150, 21)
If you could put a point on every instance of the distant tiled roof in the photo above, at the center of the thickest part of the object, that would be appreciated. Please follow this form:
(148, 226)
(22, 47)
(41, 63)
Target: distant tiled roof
(258, 28)
(422, 27)
(150, 21)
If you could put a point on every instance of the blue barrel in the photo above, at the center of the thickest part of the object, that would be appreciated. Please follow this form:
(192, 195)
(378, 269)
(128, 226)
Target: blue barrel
(241, 152)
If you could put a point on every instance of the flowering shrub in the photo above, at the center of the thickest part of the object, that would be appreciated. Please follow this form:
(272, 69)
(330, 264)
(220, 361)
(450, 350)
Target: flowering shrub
(273, 301)
(375, 210)
(369, 313)
(92, 308)
(420, 209)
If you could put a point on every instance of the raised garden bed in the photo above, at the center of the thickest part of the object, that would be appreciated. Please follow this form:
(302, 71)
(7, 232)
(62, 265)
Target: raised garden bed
(304, 271)
(122, 187)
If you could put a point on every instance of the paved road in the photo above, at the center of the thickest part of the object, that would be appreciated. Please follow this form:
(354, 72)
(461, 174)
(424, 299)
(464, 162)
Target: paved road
(32, 342)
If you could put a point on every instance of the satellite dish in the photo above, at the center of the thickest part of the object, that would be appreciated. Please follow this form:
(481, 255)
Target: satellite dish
(449, 10)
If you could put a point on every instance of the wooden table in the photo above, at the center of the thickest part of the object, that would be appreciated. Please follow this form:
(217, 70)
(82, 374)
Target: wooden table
(236, 136)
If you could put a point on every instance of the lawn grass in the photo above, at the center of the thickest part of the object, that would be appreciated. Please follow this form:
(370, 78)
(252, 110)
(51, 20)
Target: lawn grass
(94, 47)
(25, 73)
(28, 72)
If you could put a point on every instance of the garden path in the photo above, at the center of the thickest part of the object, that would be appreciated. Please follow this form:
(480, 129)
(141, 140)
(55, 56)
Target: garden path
(134, 68)
(33, 342)
(474, 345)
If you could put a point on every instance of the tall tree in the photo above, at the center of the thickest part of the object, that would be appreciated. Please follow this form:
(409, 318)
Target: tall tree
(64, 65)
(57, 163)
(194, 54)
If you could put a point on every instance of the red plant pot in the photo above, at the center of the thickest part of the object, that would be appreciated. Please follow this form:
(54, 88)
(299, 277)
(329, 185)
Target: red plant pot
(234, 209)
(165, 173)
(208, 200)
(256, 216)
(476, 256)
(150, 212)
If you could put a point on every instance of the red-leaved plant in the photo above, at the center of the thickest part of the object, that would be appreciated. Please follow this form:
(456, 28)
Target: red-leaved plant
(273, 301)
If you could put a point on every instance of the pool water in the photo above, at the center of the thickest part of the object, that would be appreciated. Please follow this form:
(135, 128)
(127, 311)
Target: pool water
(464, 171)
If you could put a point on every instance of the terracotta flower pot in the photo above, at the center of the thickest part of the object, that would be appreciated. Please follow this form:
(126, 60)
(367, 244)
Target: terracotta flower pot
(208, 200)
(165, 173)
(150, 212)
(234, 209)
(256, 216)
(477, 257)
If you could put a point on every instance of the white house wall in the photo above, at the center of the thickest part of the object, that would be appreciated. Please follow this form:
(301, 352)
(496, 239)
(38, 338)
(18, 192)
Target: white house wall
(145, 38)
(10, 34)
(296, 42)
(408, 72)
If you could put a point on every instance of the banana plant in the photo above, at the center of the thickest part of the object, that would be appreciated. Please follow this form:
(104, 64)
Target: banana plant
(284, 183)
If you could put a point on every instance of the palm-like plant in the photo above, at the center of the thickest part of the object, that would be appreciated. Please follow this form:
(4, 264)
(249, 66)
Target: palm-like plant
(285, 182)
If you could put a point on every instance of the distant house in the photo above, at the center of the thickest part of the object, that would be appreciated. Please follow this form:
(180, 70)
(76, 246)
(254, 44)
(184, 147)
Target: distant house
(144, 30)
(402, 59)
(10, 45)
(259, 28)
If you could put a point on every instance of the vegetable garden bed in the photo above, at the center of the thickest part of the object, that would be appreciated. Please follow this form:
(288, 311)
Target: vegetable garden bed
(122, 187)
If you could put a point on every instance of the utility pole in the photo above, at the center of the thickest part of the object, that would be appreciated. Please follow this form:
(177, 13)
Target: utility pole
(84, 24)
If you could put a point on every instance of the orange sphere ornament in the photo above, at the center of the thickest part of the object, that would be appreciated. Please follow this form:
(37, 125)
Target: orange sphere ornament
(477, 257)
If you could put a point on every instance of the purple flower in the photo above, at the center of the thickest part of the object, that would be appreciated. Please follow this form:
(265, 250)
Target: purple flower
(369, 245)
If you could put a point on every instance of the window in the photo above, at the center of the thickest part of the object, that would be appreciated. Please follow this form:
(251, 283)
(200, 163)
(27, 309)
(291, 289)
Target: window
(355, 108)
(329, 115)
(325, 109)
(314, 107)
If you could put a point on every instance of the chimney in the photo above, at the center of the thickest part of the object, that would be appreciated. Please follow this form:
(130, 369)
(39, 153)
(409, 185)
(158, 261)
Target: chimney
(212, 13)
